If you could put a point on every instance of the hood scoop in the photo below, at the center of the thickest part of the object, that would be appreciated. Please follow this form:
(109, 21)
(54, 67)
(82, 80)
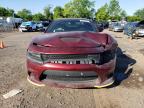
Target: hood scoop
(39, 45)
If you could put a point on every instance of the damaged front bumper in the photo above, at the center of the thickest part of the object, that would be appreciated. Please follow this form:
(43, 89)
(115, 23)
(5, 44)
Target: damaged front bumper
(103, 74)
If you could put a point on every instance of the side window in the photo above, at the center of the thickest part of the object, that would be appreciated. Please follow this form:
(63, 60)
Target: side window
(86, 26)
(60, 27)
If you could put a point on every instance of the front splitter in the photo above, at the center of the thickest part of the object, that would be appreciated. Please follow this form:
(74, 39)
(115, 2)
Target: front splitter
(60, 84)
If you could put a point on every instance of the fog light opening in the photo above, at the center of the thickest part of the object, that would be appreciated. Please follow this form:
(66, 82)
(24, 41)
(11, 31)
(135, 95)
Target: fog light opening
(42, 77)
(29, 73)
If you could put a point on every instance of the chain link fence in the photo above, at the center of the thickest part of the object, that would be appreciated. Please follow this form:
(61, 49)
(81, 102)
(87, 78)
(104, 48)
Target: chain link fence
(6, 27)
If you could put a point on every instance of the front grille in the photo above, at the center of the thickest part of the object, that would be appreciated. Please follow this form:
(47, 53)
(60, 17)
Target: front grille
(65, 56)
(68, 75)
(71, 58)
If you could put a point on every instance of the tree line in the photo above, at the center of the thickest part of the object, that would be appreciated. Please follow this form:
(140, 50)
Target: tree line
(77, 9)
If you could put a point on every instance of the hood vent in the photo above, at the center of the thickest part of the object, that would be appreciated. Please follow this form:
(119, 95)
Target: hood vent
(41, 45)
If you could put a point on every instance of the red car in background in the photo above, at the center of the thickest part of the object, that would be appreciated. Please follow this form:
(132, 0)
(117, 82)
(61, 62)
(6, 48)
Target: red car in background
(72, 54)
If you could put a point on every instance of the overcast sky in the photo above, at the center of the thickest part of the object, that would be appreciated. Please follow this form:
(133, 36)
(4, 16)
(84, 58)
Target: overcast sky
(130, 6)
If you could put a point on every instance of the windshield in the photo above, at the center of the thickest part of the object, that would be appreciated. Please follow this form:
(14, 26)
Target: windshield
(70, 25)
(26, 23)
(117, 24)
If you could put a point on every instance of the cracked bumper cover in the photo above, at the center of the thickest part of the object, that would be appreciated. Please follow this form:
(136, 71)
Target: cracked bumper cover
(35, 70)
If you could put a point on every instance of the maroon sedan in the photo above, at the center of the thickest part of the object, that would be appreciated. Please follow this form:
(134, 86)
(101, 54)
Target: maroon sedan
(72, 54)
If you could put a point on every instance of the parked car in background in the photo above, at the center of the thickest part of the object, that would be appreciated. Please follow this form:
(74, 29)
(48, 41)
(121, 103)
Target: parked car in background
(117, 27)
(129, 28)
(126, 28)
(27, 26)
(106, 24)
(139, 30)
(111, 26)
(100, 26)
(72, 54)
(42, 26)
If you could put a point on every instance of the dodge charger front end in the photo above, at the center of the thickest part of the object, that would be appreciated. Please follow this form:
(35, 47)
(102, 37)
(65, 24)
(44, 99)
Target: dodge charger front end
(72, 59)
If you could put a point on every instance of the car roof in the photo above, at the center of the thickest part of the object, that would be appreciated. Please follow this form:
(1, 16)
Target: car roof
(74, 19)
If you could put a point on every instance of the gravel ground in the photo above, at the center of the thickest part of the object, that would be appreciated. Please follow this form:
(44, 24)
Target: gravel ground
(127, 92)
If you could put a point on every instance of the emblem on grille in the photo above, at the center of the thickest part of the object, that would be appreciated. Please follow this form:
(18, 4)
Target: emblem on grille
(67, 75)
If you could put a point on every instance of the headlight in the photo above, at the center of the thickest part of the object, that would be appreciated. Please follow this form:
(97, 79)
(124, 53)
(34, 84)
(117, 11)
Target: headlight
(36, 57)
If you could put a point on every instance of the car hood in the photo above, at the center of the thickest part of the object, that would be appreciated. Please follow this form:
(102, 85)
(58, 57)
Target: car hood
(72, 43)
(71, 40)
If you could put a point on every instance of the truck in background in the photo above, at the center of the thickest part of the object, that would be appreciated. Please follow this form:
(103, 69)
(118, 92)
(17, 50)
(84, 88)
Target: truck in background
(15, 21)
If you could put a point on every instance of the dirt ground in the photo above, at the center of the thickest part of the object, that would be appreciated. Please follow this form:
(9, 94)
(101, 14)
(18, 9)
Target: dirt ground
(127, 92)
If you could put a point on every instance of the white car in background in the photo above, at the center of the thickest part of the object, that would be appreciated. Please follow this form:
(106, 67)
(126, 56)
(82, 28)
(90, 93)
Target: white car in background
(28, 26)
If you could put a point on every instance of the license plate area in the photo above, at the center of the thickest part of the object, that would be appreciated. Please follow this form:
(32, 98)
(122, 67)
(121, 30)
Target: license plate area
(70, 75)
